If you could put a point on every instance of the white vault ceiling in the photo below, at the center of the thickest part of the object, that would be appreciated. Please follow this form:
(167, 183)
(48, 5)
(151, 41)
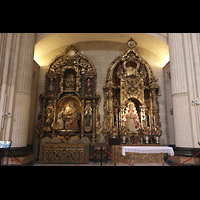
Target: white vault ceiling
(153, 44)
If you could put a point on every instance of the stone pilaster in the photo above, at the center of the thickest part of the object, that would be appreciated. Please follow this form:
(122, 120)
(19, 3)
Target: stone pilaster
(23, 90)
(184, 88)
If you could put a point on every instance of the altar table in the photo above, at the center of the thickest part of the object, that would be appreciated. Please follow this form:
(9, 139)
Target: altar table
(140, 154)
(148, 149)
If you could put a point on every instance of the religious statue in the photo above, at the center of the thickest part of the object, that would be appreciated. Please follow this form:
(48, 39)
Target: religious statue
(88, 117)
(49, 119)
(71, 117)
(60, 122)
(88, 86)
(70, 82)
(51, 84)
(132, 119)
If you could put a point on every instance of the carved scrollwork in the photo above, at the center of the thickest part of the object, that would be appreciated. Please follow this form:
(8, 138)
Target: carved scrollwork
(71, 57)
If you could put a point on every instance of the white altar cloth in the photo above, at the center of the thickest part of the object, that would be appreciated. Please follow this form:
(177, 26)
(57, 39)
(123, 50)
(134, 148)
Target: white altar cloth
(147, 149)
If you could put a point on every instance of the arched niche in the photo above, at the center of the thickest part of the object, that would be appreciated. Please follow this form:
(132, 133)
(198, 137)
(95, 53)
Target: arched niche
(65, 101)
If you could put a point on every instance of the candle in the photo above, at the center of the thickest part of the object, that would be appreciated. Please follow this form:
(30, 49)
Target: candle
(117, 120)
(150, 121)
(154, 120)
(146, 120)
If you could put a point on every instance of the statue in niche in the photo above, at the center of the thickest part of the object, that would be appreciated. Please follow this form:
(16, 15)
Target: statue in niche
(88, 86)
(49, 119)
(60, 122)
(72, 117)
(132, 119)
(51, 85)
(88, 117)
(70, 82)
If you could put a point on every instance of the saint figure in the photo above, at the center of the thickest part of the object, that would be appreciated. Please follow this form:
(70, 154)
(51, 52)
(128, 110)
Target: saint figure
(60, 122)
(51, 84)
(49, 119)
(88, 86)
(70, 82)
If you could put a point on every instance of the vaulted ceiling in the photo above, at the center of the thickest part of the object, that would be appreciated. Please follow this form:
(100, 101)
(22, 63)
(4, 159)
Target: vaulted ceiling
(152, 44)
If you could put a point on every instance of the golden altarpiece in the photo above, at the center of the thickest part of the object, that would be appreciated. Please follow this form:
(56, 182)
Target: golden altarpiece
(69, 104)
(130, 81)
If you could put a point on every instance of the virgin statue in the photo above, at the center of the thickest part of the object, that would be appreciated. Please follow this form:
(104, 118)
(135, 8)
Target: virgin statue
(132, 119)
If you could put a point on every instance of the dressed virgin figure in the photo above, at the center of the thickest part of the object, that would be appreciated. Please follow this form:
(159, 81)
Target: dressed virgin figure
(132, 119)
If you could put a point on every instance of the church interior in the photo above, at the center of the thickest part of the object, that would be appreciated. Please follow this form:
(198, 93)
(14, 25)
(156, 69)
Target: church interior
(87, 98)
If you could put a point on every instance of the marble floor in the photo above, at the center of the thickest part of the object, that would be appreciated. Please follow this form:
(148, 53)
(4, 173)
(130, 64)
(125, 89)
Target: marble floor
(91, 163)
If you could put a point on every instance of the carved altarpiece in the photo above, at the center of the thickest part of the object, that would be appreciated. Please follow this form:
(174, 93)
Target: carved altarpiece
(130, 80)
(70, 98)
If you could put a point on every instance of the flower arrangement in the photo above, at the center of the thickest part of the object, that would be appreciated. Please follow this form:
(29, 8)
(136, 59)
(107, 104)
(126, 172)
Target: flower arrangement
(147, 131)
(157, 131)
(123, 130)
(113, 130)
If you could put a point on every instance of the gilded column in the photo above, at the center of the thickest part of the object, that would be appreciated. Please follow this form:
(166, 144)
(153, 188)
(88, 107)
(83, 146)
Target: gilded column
(110, 107)
(93, 121)
(23, 90)
(82, 117)
(184, 88)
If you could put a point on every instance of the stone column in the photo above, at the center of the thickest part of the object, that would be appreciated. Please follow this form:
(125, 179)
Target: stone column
(9, 53)
(22, 99)
(184, 81)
